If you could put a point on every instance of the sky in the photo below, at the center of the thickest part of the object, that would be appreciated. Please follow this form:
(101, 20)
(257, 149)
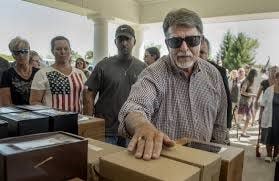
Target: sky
(40, 24)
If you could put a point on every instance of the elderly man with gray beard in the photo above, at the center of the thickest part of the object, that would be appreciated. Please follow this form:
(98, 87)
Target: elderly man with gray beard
(179, 96)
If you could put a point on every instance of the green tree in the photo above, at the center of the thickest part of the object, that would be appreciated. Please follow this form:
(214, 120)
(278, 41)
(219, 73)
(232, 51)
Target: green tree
(7, 57)
(237, 51)
(225, 53)
(89, 56)
(75, 55)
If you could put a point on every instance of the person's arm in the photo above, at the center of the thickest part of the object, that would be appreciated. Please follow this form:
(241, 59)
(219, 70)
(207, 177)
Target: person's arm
(220, 125)
(135, 118)
(147, 141)
(93, 85)
(88, 102)
(36, 97)
(258, 96)
(5, 98)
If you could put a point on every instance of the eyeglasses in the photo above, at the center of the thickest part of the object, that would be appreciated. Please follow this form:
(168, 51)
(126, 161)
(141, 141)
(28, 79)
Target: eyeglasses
(176, 42)
(23, 51)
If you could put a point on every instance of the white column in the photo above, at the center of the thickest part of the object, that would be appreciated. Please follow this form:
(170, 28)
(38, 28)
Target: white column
(139, 41)
(100, 48)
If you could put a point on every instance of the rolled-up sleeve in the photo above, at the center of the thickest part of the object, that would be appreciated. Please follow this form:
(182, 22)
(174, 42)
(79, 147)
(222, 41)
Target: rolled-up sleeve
(143, 98)
(220, 124)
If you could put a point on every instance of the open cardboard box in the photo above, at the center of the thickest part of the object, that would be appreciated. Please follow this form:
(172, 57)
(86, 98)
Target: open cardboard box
(231, 157)
(209, 163)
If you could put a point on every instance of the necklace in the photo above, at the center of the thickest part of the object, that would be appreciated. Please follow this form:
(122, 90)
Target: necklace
(127, 69)
(23, 74)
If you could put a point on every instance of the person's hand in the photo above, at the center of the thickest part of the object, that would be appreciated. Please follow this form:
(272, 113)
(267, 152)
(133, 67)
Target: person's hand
(147, 142)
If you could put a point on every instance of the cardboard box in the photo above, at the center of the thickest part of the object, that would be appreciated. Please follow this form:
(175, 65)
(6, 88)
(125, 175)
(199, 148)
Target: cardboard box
(97, 149)
(209, 163)
(123, 166)
(3, 129)
(24, 123)
(47, 156)
(232, 158)
(32, 107)
(9, 109)
(91, 127)
(61, 120)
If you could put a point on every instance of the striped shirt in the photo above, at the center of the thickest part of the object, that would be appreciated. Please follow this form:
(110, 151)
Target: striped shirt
(180, 106)
(62, 91)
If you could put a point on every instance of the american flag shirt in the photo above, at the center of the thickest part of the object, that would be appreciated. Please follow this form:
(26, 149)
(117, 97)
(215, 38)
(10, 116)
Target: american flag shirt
(180, 106)
(61, 91)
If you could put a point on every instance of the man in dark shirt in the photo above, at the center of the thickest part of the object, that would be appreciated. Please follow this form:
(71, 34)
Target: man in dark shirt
(112, 78)
(204, 54)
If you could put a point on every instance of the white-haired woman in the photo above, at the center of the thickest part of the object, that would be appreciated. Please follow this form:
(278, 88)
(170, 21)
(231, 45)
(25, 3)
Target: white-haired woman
(16, 81)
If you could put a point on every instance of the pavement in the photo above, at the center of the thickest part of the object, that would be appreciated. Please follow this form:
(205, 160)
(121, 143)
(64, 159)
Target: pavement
(255, 169)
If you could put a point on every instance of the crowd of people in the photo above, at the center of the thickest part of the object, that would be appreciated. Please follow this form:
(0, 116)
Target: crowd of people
(148, 105)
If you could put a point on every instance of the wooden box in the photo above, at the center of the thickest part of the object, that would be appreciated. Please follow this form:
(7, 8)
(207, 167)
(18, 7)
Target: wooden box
(51, 156)
(24, 123)
(61, 120)
(9, 109)
(3, 129)
(32, 107)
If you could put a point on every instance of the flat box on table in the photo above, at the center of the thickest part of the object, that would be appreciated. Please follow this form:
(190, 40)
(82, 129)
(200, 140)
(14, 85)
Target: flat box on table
(25, 123)
(51, 156)
(91, 127)
(209, 163)
(61, 120)
(97, 149)
(123, 166)
(32, 107)
(9, 109)
(232, 157)
(3, 129)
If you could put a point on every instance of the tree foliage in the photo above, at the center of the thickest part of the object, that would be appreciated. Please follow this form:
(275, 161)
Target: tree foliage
(75, 55)
(237, 51)
(7, 57)
(89, 56)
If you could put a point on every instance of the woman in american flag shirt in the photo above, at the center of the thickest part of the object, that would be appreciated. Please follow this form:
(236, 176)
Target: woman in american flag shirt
(59, 86)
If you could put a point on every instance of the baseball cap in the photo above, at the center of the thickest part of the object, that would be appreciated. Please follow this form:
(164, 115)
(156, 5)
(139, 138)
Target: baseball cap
(125, 30)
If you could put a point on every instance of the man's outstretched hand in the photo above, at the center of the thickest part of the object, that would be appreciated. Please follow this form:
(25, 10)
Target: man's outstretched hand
(147, 142)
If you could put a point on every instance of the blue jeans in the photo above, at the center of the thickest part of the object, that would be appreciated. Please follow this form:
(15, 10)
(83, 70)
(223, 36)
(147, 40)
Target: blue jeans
(116, 140)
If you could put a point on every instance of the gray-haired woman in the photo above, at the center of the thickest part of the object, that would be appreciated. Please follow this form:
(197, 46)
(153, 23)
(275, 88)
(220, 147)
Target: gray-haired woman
(16, 81)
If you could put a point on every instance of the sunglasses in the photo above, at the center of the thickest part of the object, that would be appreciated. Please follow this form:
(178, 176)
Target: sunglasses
(23, 52)
(176, 42)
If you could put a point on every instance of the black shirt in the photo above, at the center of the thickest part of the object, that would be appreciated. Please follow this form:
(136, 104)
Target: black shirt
(19, 87)
(265, 85)
(4, 65)
(223, 73)
(113, 82)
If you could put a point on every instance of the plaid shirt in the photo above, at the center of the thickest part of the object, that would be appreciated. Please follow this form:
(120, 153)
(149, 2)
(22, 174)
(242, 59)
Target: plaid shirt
(180, 106)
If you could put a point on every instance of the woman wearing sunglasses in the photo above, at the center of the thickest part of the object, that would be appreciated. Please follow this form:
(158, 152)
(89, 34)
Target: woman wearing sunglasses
(16, 81)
